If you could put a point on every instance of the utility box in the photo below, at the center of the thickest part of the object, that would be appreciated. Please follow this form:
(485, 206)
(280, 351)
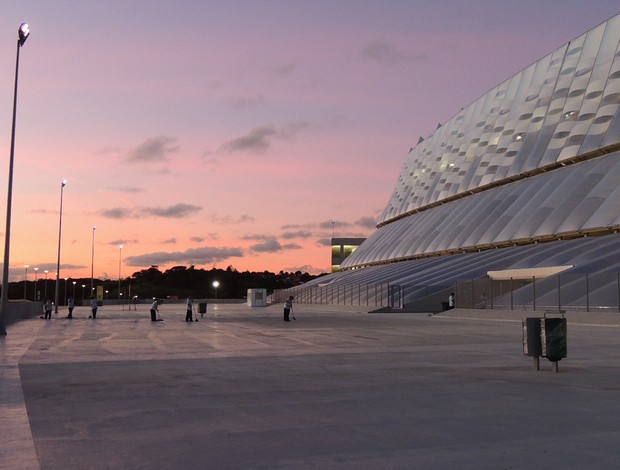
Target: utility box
(257, 297)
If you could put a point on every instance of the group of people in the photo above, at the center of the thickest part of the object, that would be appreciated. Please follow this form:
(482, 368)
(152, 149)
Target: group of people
(189, 310)
(48, 306)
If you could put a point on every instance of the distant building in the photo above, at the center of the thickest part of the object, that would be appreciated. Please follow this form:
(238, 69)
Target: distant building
(342, 249)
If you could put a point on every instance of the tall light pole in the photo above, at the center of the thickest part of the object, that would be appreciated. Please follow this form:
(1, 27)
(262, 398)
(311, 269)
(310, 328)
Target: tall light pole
(92, 262)
(74, 283)
(66, 279)
(215, 286)
(83, 285)
(26, 280)
(22, 34)
(63, 183)
(45, 289)
(120, 253)
(36, 270)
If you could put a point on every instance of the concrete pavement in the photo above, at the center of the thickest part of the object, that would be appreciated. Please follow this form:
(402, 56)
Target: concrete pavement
(338, 388)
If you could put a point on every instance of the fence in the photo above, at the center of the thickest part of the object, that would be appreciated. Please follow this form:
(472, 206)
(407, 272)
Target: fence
(574, 291)
(371, 295)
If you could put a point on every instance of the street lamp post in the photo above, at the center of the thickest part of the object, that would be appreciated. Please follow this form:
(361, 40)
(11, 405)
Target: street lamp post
(26, 281)
(66, 279)
(83, 285)
(74, 283)
(36, 270)
(45, 289)
(215, 286)
(63, 183)
(22, 34)
(120, 255)
(92, 262)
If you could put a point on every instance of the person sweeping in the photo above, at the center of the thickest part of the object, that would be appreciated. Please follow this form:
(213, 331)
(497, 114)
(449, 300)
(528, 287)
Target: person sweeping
(288, 306)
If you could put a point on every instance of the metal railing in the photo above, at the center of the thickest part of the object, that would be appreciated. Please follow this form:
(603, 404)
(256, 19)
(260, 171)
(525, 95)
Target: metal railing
(588, 292)
(370, 295)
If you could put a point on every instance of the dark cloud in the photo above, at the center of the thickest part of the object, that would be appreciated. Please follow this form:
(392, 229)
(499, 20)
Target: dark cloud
(260, 139)
(170, 241)
(228, 219)
(197, 239)
(117, 213)
(257, 237)
(298, 226)
(195, 256)
(297, 234)
(324, 242)
(269, 245)
(50, 267)
(291, 246)
(177, 211)
(367, 222)
(155, 149)
(384, 52)
(122, 241)
(329, 224)
(257, 140)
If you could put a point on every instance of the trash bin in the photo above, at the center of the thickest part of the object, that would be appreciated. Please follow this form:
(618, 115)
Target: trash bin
(553, 336)
(532, 342)
(202, 308)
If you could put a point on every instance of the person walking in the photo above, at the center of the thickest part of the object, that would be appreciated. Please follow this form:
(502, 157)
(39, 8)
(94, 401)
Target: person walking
(154, 309)
(47, 306)
(288, 305)
(93, 307)
(189, 309)
(70, 306)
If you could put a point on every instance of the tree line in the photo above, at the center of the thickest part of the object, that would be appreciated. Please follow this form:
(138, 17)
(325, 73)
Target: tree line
(176, 282)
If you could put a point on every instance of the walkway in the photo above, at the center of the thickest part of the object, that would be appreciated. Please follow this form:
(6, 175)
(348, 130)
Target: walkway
(333, 389)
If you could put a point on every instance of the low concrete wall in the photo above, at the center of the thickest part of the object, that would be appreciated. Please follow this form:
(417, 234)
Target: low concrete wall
(23, 310)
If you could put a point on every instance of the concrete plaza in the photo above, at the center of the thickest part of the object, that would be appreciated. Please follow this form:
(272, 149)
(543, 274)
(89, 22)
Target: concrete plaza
(337, 388)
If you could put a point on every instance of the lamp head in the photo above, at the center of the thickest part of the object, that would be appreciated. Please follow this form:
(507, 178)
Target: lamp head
(23, 32)
(63, 183)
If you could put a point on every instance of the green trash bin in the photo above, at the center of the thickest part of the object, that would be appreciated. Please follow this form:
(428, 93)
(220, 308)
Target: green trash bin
(202, 308)
(554, 338)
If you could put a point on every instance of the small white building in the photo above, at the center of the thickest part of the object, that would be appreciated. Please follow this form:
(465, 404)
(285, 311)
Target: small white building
(257, 297)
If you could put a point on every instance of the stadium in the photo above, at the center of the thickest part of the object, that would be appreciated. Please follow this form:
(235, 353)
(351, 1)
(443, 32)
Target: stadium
(513, 203)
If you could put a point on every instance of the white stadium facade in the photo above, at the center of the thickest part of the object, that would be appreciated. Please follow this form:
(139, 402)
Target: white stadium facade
(512, 203)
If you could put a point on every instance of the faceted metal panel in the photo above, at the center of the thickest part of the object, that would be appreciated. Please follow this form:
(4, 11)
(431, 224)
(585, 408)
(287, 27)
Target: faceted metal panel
(510, 168)
(574, 198)
(562, 106)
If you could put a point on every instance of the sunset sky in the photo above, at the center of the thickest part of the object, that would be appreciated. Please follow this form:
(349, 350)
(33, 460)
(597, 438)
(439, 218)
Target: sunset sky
(241, 133)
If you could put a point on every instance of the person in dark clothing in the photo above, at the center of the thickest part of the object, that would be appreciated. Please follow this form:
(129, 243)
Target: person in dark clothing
(93, 307)
(70, 306)
(48, 309)
(154, 310)
(288, 305)
(190, 309)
